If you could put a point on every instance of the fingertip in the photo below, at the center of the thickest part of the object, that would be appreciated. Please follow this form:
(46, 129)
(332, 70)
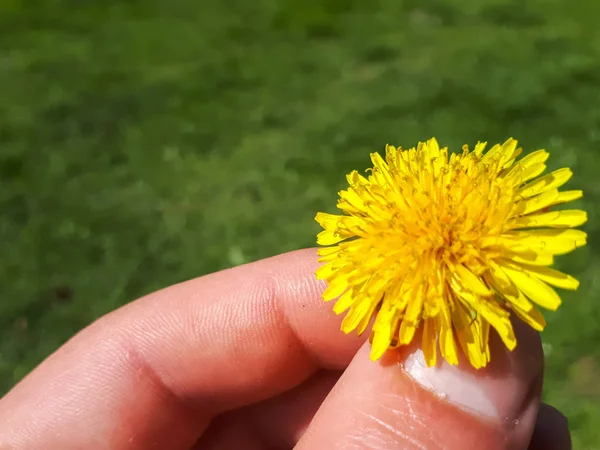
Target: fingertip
(400, 401)
(500, 393)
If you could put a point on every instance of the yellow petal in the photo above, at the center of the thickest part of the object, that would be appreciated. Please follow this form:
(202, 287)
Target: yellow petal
(470, 335)
(384, 328)
(498, 318)
(357, 312)
(382, 339)
(557, 242)
(553, 277)
(479, 148)
(327, 221)
(471, 282)
(355, 179)
(391, 155)
(553, 180)
(415, 306)
(411, 318)
(328, 237)
(509, 148)
(533, 318)
(555, 219)
(335, 288)
(538, 291)
(509, 161)
(331, 234)
(526, 255)
(567, 196)
(472, 351)
(505, 153)
(407, 332)
(328, 254)
(484, 339)
(447, 344)
(493, 152)
(324, 271)
(492, 312)
(506, 288)
(433, 147)
(532, 160)
(344, 302)
(326, 251)
(534, 204)
(527, 174)
(429, 342)
(367, 318)
(381, 171)
(337, 228)
(440, 161)
(351, 202)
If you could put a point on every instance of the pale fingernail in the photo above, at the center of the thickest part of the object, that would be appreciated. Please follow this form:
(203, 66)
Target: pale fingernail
(500, 391)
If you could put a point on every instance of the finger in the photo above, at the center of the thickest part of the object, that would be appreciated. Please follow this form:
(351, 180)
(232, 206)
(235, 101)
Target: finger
(155, 372)
(278, 422)
(551, 430)
(401, 403)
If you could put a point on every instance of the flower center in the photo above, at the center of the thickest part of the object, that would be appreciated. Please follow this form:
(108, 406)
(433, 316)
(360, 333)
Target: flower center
(447, 213)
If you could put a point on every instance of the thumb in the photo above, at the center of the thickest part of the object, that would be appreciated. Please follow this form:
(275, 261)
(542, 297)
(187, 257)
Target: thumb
(399, 402)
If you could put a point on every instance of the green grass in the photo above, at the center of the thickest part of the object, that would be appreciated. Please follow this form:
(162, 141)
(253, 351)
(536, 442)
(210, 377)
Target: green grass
(146, 144)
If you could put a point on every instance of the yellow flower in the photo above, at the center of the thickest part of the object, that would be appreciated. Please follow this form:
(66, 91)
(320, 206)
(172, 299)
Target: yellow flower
(449, 245)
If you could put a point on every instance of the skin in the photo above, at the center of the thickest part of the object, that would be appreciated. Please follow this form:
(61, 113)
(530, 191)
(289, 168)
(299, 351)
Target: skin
(252, 358)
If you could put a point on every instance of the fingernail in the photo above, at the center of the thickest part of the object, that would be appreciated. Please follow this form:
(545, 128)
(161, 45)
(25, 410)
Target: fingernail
(501, 391)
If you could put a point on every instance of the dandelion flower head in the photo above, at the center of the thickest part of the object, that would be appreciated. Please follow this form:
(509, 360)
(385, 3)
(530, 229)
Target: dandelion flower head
(444, 246)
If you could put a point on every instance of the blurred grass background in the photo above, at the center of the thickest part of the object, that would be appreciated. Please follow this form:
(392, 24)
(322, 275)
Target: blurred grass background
(147, 142)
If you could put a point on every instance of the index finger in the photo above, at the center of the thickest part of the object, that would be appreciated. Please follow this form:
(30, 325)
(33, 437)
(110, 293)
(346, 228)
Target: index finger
(155, 372)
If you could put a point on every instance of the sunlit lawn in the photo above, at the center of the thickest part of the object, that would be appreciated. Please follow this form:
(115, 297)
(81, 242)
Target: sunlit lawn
(146, 144)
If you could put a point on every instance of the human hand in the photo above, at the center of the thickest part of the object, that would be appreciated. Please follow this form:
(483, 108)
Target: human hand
(251, 358)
